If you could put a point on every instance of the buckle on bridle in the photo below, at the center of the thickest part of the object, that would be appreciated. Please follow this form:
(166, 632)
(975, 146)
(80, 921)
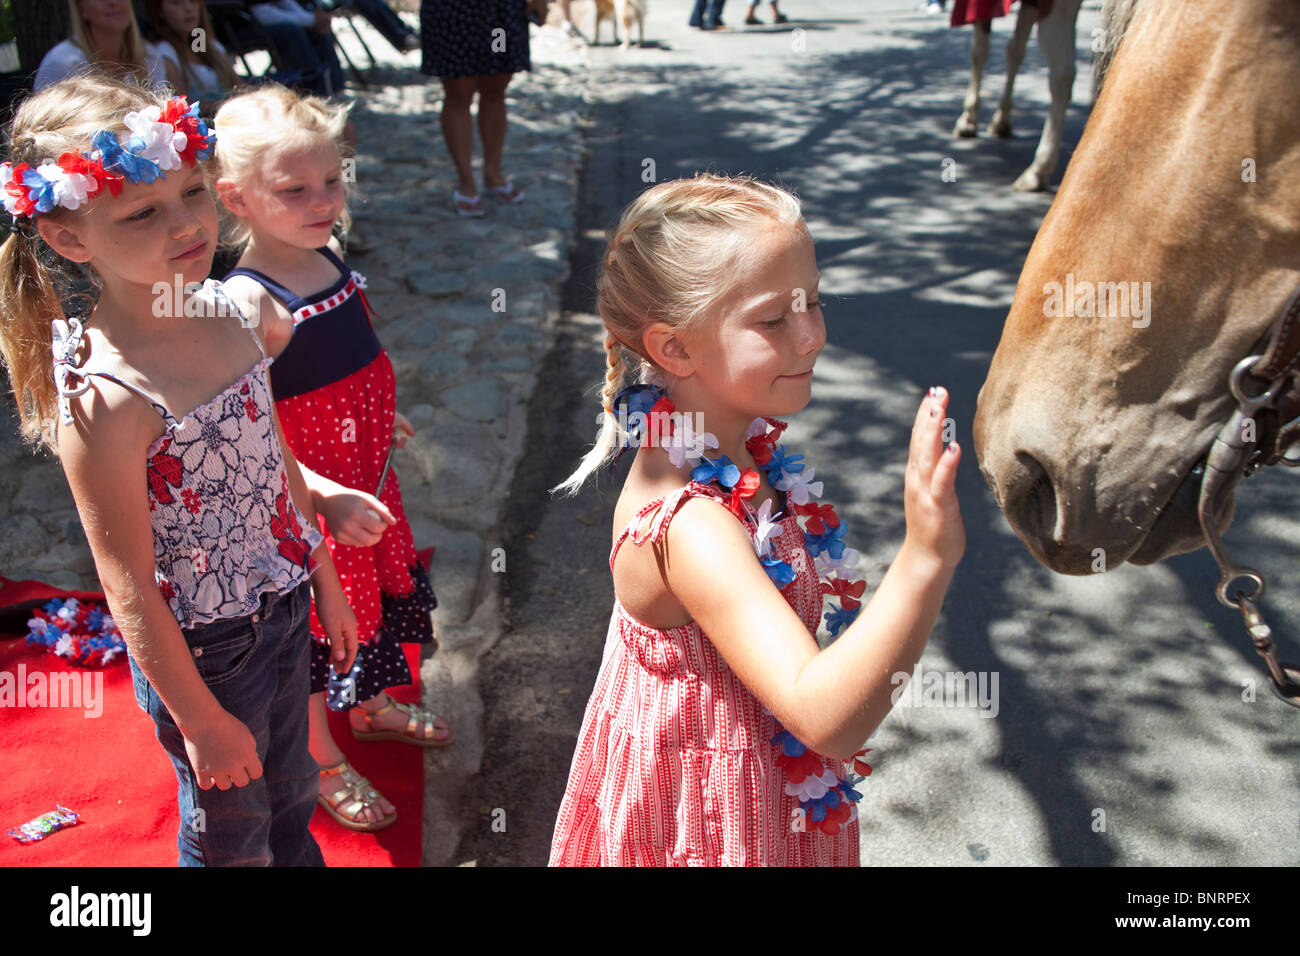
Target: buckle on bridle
(1230, 458)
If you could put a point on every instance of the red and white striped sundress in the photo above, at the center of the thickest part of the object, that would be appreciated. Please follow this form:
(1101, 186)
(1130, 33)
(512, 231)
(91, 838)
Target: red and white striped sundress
(675, 764)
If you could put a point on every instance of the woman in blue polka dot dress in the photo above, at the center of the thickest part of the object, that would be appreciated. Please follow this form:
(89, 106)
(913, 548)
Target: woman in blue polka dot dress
(475, 46)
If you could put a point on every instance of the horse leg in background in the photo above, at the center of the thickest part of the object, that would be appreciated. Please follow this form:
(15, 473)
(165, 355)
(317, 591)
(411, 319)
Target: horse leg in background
(1001, 123)
(1056, 40)
(968, 123)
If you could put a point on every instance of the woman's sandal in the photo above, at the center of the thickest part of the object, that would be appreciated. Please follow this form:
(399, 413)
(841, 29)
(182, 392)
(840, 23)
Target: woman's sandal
(420, 726)
(468, 206)
(509, 192)
(358, 795)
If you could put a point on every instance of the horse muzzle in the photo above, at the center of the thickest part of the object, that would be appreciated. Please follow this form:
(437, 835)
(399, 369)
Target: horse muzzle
(1070, 532)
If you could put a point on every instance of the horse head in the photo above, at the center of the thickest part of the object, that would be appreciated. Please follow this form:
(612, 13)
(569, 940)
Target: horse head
(1170, 246)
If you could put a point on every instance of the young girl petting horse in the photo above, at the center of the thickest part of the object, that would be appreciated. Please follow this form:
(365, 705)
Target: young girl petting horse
(200, 524)
(718, 731)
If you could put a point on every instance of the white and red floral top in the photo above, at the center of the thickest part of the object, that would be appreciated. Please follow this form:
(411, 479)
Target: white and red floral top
(225, 527)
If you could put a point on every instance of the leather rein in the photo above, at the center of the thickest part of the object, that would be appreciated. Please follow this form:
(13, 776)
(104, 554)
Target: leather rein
(1265, 424)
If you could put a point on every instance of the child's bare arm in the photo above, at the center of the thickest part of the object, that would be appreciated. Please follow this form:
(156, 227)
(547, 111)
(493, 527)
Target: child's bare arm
(830, 699)
(265, 313)
(345, 509)
(103, 455)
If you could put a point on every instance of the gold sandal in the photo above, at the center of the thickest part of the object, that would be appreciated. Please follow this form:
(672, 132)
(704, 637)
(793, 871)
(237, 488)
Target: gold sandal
(358, 794)
(420, 726)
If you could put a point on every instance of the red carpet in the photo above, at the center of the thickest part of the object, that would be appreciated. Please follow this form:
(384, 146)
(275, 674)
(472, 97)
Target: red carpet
(112, 771)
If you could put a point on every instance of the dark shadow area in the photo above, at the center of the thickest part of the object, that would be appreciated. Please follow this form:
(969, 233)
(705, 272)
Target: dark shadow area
(535, 681)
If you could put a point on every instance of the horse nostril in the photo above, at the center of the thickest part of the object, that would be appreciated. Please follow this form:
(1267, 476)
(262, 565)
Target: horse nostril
(1030, 503)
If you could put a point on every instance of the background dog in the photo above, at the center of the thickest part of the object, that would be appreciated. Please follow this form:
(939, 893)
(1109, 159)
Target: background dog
(621, 11)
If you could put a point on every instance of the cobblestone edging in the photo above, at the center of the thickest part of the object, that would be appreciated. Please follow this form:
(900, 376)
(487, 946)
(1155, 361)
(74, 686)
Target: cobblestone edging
(469, 309)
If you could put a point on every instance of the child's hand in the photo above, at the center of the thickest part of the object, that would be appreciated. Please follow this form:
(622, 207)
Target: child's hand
(355, 518)
(338, 620)
(400, 424)
(929, 494)
(223, 753)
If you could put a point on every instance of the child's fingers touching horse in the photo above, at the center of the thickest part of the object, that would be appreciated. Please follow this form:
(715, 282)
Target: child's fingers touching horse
(930, 497)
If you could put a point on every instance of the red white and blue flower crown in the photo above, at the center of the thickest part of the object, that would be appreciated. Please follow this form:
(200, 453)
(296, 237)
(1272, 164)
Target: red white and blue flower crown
(160, 140)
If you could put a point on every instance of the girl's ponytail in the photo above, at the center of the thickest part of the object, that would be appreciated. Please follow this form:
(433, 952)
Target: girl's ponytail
(611, 435)
(29, 305)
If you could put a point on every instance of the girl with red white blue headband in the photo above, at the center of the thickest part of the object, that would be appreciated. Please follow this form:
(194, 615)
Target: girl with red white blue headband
(157, 401)
(719, 732)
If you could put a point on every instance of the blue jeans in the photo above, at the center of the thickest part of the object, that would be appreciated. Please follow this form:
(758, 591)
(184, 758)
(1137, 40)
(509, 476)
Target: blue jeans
(709, 20)
(309, 51)
(257, 668)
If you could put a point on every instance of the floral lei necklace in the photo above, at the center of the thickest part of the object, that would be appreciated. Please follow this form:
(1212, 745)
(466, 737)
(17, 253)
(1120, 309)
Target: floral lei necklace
(826, 800)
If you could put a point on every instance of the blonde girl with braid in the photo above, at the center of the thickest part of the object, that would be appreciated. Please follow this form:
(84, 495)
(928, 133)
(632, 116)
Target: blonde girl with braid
(719, 732)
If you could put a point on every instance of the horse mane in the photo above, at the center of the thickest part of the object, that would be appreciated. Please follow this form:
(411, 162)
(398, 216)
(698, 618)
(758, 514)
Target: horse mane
(1115, 18)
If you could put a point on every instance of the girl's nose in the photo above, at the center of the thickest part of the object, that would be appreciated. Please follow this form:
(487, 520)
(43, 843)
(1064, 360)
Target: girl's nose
(184, 222)
(812, 332)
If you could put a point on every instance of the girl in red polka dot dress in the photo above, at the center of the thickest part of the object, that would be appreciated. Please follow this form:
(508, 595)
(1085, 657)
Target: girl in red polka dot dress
(280, 173)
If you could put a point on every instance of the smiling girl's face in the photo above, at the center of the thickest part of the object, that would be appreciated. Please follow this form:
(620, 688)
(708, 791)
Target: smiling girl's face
(756, 349)
(296, 196)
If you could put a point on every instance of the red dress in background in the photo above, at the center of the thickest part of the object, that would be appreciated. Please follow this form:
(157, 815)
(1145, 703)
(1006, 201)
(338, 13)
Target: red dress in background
(968, 11)
(335, 394)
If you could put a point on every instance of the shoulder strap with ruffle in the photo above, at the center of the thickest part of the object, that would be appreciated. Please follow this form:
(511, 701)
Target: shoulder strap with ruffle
(662, 510)
(66, 340)
(67, 336)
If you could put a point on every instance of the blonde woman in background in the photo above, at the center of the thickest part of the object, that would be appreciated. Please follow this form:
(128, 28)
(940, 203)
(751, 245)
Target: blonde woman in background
(106, 37)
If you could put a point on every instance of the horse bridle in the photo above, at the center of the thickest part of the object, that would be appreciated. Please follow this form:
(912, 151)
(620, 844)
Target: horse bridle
(1263, 427)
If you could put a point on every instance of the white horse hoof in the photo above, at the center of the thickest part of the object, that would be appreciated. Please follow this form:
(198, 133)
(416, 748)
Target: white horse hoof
(1030, 181)
(1000, 127)
(966, 127)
